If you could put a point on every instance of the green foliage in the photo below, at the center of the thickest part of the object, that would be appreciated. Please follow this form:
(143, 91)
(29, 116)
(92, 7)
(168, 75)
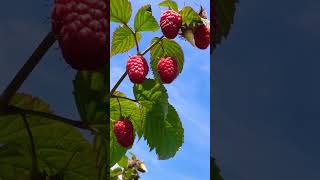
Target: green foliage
(89, 92)
(189, 16)
(60, 148)
(123, 39)
(120, 11)
(144, 21)
(162, 126)
(215, 171)
(224, 12)
(170, 4)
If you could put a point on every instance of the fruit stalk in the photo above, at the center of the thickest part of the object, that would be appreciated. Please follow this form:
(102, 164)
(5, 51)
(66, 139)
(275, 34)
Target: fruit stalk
(125, 73)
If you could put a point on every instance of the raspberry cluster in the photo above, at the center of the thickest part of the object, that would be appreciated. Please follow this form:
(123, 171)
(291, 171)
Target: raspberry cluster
(81, 28)
(124, 132)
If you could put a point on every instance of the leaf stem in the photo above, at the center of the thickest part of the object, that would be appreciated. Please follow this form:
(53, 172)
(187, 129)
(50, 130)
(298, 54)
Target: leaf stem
(34, 173)
(78, 124)
(120, 97)
(135, 37)
(26, 69)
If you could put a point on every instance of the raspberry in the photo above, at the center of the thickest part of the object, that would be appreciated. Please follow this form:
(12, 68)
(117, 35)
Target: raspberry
(170, 23)
(168, 69)
(137, 69)
(202, 36)
(81, 28)
(123, 129)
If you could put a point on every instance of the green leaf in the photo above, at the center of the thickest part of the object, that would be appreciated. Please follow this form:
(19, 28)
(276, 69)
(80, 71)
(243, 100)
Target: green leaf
(128, 109)
(170, 4)
(60, 148)
(162, 126)
(144, 21)
(224, 10)
(163, 133)
(90, 88)
(150, 90)
(123, 40)
(120, 11)
(215, 170)
(166, 48)
(123, 162)
(189, 16)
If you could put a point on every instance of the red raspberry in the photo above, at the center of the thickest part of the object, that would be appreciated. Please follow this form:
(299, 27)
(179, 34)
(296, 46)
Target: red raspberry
(123, 129)
(137, 69)
(168, 69)
(170, 23)
(202, 36)
(81, 27)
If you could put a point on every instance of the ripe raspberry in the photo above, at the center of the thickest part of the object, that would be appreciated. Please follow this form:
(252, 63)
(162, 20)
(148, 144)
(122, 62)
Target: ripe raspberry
(123, 129)
(202, 36)
(168, 69)
(137, 69)
(170, 23)
(81, 27)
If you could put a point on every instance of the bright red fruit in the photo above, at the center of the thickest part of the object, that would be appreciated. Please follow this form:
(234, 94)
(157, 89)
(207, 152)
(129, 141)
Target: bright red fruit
(170, 23)
(81, 28)
(137, 69)
(202, 36)
(168, 69)
(124, 132)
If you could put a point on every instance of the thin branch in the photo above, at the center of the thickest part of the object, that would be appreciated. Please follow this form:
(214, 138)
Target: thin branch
(120, 97)
(26, 69)
(33, 148)
(155, 43)
(78, 124)
(118, 83)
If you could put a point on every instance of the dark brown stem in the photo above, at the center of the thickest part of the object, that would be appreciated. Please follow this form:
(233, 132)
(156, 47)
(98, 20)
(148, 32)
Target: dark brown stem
(78, 124)
(26, 69)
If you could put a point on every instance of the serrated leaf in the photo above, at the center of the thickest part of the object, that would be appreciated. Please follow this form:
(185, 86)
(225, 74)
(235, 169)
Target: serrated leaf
(189, 16)
(150, 90)
(170, 4)
(165, 48)
(144, 21)
(128, 109)
(224, 11)
(120, 11)
(60, 148)
(163, 133)
(90, 88)
(123, 40)
(215, 170)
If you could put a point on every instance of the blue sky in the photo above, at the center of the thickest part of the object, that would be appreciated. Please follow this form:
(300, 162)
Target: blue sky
(189, 93)
(266, 90)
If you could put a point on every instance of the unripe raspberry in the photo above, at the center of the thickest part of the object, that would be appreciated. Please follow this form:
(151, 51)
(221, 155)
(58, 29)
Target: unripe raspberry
(202, 36)
(168, 69)
(81, 28)
(170, 23)
(124, 132)
(137, 69)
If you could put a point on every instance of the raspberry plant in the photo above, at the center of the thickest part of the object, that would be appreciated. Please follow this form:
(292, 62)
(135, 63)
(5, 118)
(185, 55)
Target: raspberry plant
(153, 117)
(35, 142)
